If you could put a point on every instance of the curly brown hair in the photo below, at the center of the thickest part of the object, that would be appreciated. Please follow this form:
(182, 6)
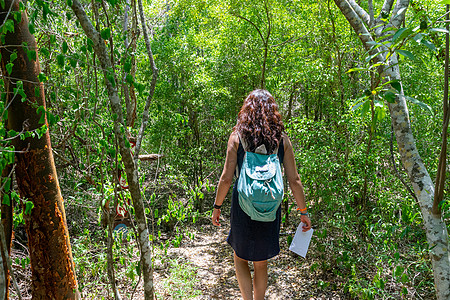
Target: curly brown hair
(259, 121)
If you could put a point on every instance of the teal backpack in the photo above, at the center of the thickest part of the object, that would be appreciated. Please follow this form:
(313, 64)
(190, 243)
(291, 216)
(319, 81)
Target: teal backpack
(260, 186)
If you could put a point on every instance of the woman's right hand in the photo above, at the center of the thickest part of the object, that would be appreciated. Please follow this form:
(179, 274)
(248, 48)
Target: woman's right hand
(215, 217)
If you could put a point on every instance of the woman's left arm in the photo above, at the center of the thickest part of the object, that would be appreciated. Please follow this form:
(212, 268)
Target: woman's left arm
(227, 176)
(290, 169)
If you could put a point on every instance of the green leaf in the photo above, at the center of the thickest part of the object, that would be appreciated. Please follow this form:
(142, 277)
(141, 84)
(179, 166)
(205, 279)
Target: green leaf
(138, 268)
(140, 87)
(17, 16)
(374, 43)
(7, 186)
(356, 70)
(110, 78)
(42, 119)
(420, 103)
(45, 52)
(359, 102)
(127, 67)
(42, 77)
(2, 3)
(129, 79)
(12, 133)
(14, 196)
(406, 54)
(389, 96)
(31, 28)
(65, 47)
(73, 62)
(69, 3)
(8, 26)
(429, 44)
(398, 271)
(9, 68)
(41, 110)
(13, 56)
(380, 113)
(28, 207)
(418, 37)
(51, 119)
(396, 85)
(6, 200)
(443, 30)
(401, 34)
(365, 108)
(377, 103)
(289, 239)
(37, 91)
(445, 2)
(45, 10)
(369, 58)
(31, 55)
(106, 34)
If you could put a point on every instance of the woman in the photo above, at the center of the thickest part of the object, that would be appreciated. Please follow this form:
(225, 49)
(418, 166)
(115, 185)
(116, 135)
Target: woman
(259, 128)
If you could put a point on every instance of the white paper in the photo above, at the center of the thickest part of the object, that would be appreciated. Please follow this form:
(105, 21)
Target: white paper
(301, 240)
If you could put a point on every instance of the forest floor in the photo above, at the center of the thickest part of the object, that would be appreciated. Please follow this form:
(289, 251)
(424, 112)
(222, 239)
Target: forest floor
(212, 257)
(202, 268)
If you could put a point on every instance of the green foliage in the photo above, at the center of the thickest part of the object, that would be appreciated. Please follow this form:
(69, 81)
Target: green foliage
(209, 60)
(181, 280)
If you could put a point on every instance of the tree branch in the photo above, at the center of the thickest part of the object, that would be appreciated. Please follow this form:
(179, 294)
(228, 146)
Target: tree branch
(371, 14)
(253, 24)
(145, 114)
(127, 159)
(360, 11)
(398, 20)
(357, 24)
(387, 6)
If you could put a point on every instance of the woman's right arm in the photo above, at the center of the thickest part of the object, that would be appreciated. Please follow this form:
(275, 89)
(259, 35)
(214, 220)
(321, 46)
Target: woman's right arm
(227, 176)
(290, 169)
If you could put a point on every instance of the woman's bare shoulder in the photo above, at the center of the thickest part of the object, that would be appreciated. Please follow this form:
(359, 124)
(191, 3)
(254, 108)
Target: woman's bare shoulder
(233, 141)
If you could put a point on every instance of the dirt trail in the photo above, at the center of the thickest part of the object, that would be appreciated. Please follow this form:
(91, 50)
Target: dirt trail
(289, 276)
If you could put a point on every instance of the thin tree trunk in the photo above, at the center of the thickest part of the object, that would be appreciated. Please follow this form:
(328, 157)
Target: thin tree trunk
(7, 222)
(440, 175)
(436, 230)
(145, 113)
(53, 272)
(130, 168)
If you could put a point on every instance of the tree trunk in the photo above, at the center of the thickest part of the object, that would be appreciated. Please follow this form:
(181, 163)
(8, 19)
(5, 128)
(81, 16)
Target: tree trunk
(436, 230)
(119, 129)
(53, 273)
(7, 221)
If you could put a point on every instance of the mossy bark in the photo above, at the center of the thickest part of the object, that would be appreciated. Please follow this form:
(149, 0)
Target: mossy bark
(53, 272)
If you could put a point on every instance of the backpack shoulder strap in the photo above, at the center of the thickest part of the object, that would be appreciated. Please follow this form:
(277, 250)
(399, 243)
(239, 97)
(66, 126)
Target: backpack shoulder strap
(280, 144)
(236, 172)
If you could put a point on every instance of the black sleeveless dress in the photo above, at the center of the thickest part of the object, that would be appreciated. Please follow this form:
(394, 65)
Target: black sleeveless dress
(253, 240)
